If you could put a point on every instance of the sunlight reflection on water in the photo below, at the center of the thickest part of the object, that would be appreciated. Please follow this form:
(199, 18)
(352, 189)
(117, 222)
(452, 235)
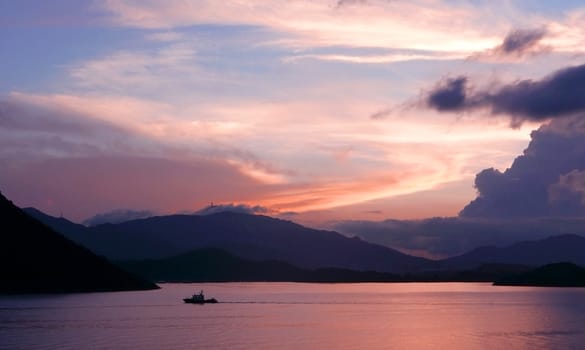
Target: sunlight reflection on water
(300, 316)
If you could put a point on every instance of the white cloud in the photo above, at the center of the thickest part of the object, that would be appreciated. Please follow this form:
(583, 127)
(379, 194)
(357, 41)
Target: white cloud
(432, 25)
(377, 59)
(424, 24)
(130, 71)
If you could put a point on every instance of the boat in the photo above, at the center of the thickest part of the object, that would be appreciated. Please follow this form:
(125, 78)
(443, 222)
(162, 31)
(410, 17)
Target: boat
(199, 299)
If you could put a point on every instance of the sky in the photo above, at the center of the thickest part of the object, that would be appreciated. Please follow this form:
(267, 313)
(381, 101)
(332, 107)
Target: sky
(309, 110)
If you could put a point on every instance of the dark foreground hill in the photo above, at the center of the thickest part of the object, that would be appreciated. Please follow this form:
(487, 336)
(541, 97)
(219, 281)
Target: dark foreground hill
(552, 275)
(252, 237)
(36, 259)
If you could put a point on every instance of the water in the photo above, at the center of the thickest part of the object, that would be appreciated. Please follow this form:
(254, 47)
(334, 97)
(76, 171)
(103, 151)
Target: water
(301, 316)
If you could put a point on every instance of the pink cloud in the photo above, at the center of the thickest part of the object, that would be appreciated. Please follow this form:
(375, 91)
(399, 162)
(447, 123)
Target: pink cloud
(423, 24)
(430, 25)
(299, 168)
(83, 186)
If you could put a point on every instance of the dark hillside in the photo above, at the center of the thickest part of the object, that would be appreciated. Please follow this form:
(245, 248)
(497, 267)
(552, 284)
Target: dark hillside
(36, 259)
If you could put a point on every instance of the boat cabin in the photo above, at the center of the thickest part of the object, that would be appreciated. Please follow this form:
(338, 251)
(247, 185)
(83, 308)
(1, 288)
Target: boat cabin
(198, 297)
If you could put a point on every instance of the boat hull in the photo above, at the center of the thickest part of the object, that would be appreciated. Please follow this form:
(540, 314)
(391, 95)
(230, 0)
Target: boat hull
(206, 301)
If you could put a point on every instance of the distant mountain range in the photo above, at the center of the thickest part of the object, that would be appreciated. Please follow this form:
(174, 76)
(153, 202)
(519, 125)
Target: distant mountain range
(563, 248)
(253, 237)
(36, 259)
(216, 265)
(258, 238)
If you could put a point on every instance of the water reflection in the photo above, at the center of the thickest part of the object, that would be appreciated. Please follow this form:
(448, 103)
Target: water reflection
(297, 315)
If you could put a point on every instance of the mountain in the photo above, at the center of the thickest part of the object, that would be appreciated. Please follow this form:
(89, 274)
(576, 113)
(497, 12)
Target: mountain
(36, 259)
(71, 230)
(253, 237)
(554, 249)
(216, 265)
(553, 275)
(260, 238)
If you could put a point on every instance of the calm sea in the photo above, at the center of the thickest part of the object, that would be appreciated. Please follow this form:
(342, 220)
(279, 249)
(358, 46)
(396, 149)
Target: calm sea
(301, 316)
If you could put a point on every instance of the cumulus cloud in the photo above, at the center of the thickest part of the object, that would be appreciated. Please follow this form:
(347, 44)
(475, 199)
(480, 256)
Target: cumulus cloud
(567, 196)
(546, 180)
(559, 94)
(541, 194)
(117, 216)
(236, 208)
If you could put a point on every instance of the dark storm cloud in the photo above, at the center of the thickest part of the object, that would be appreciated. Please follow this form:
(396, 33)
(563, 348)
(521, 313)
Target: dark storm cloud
(559, 94)
(546, 180)
(117, 216)
(449, 95)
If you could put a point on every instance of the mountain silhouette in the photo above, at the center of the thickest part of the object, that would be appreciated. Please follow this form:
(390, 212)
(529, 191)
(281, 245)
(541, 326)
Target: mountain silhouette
(36, 259)
(216, 265)
(562, 248)
(253, 237)
(261, 238)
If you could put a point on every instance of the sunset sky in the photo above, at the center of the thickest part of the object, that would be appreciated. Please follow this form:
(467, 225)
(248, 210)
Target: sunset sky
(315, 110)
